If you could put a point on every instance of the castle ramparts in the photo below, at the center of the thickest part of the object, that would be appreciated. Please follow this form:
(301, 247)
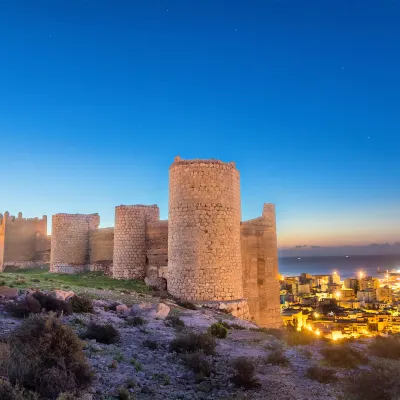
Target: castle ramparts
(202, 253)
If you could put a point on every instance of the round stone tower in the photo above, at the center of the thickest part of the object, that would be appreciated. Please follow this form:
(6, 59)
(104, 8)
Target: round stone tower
(204, 257)
(130, 240)
(70, 242)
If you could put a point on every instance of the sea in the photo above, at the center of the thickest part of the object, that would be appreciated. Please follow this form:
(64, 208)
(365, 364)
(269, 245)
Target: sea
(346, 267)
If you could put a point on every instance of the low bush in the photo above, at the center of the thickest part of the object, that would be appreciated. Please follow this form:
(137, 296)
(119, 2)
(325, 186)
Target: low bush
(277, 333)
(8, 392)
(321, 374)
(380, 382)
(186, 304)
(337, 355)
(198, 363)
(386, 347)
(81, 304)
(277, 357)
(106, 334)
(236, 326)
(124, 394)
(136, 321)
(192, 342)
(46, 357)
(174, 321)
(136, 364)
(22, 308)
(218, 330)
(244, 373)
(150, 344)
(50, 303)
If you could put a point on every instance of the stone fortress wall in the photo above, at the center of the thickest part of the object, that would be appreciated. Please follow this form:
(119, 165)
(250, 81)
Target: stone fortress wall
(260, 268)
(130, 240)
(204, 259)
(202, 253)
(23, 241)
(70, 251)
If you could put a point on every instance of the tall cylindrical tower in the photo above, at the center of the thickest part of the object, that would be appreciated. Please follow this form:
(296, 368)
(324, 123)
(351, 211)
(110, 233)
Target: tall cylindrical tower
(130, 240)
(70, 241)
(204, 258)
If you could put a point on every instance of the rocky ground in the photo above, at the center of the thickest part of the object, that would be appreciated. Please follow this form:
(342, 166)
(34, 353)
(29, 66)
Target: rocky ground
(157, 373)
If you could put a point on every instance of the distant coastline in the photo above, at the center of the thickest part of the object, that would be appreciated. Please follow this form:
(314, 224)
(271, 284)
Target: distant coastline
(346, 266)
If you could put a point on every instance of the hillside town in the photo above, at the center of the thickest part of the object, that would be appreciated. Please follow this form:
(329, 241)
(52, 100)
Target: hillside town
(353, 307)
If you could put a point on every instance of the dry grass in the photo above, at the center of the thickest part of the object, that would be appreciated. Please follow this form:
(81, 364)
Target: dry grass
(321, 374)
(193, 342)
(380, 382)
(343, 356)
(244, 373)
(386, 347)
(46, 357)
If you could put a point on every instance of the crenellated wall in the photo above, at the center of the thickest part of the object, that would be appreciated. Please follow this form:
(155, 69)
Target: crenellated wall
(260, 268)
(23, 241)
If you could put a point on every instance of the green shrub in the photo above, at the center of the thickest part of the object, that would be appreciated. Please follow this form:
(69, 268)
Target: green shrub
(50, 303)
(136, 321)
(244, 373)
(163, 378)
(124, 394)
(192, 342)
(277, 357)
(218, 330)
(343, 356)
(174, 321)
(386, 347)
(136, 364)
(321, 374)
(380, 382)
(81, 304)
(106, 334)
(198, 363)
(22, 308)
(186, 304)
(47, 357)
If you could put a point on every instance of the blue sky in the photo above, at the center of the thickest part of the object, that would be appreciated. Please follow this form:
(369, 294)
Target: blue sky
(97, 98)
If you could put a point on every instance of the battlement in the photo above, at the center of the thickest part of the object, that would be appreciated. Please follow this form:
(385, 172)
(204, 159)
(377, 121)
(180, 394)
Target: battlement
(7, 218)
(202, 162)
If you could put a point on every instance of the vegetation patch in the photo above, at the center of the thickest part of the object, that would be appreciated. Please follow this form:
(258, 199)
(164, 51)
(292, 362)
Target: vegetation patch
(22, 308)
(136, 321)
(218, 330)
(381, 381)
(50, 303)
(386, 347)
(192, 342)
(186, 304)
(343, 356)
(198, 363)
(244, 375)
(106, 334)
(174, 321)
(277, 357)
(321, 374)
(298, 338)
(46, 357)
(81, 304)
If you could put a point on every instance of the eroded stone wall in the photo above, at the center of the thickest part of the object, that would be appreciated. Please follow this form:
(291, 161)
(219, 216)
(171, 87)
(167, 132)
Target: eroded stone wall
(101, 244)
(130, 240)
(260, 268)
(204, 259)
(70, 242)
(22, 241)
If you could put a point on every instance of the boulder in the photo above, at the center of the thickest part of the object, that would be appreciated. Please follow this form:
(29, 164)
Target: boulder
(8, 293)
(63, 295)
(150, 310)
(120, 308)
